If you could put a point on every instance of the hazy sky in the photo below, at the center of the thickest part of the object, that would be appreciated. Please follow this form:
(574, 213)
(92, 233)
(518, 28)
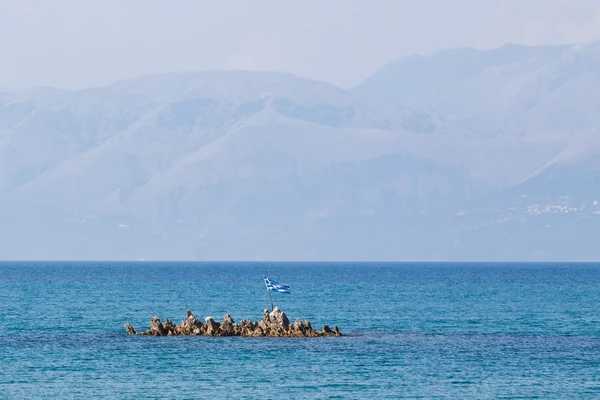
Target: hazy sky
(80, 43)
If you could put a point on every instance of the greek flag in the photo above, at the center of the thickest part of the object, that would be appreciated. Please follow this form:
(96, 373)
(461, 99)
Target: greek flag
(276, 286)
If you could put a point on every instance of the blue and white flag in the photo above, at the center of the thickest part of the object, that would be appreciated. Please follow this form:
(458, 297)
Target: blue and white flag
(276, 286)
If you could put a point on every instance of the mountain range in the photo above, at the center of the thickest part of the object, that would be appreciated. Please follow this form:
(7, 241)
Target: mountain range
(461, 155)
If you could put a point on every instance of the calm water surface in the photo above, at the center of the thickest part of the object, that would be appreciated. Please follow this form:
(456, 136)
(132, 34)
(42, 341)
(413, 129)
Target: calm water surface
(413, 330)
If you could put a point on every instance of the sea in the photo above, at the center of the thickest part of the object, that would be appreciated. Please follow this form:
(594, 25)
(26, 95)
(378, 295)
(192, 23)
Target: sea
(411, 330)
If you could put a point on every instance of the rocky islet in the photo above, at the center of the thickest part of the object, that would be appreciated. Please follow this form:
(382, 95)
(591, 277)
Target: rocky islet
(273, 324)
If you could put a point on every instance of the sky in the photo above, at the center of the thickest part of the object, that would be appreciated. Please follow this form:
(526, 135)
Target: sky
(74, 44)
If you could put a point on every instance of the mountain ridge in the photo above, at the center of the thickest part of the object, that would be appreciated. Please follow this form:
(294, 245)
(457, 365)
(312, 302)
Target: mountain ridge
(407, 165)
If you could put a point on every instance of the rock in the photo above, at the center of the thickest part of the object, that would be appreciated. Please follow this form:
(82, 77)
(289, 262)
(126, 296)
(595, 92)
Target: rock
(278, 318)
(274, 324)
(211, 326)
(337, 331)
(190, 320)
(258, 332)
(169, 327)
(298, 326)
(262, 325)
(190, 326)
(130, 329)
(198, 330)
(228, 327)
(246, 323)
(156, 327)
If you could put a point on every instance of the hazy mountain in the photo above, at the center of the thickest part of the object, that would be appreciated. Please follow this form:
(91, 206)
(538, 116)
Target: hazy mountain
(465, 154)
(546, 92)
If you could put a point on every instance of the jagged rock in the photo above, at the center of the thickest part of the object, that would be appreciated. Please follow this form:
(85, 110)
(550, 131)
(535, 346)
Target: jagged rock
(156, 327)
(191, 321)
(298, 328)
(275, 324)
(169, 327)
(337, 330)
(298, 325)
(228, 327)
(262, 325)
(130, 329)
(246, 323)
(246, 327)
(258, 332)
(190, 326)
(278, 318)
(211, 326)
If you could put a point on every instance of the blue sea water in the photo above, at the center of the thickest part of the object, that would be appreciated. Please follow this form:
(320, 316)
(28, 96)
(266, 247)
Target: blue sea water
(416, 330)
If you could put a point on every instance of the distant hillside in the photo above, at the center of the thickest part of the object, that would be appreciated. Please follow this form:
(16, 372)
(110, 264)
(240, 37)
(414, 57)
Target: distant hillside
(547, 92)
(465, 154)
